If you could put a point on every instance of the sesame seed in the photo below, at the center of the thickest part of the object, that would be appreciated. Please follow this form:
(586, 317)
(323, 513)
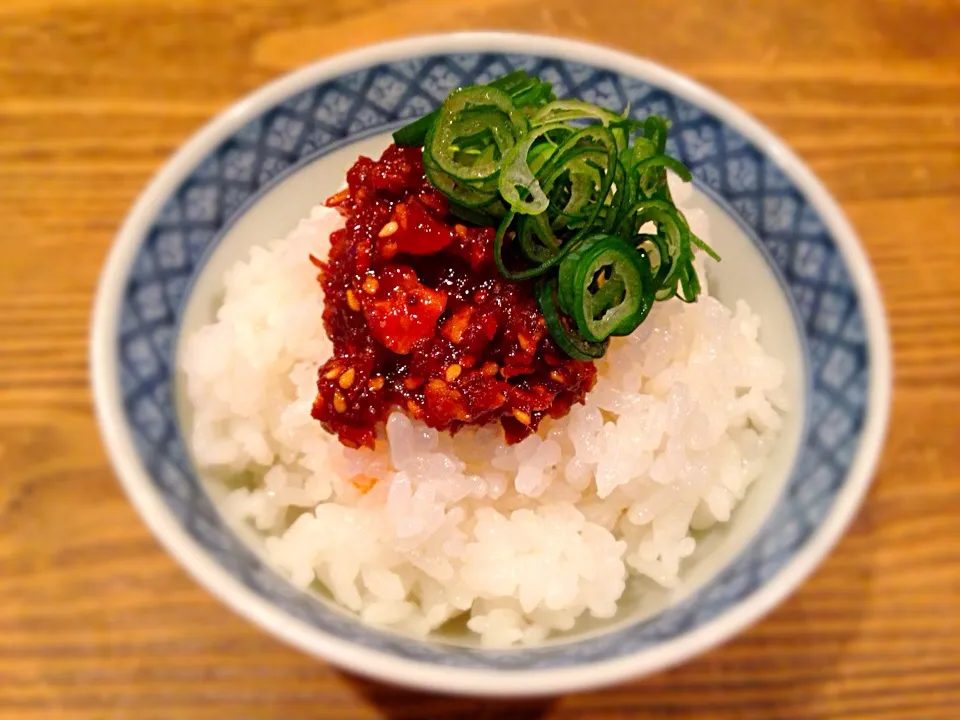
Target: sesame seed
(370, 285)
(333, 373)
(389, 229)
(522, 416)
(375, 383)
(339, 404)
(525, 342)
(413, 408)
(453, 372)
(400, 211)
(456, 331)
(557, 376)
(346, 380)
(490, 369)
(338, 197)
(431, 200)
(353, 301)
(454, 328)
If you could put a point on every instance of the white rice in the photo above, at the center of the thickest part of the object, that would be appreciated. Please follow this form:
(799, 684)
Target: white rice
(524, 538)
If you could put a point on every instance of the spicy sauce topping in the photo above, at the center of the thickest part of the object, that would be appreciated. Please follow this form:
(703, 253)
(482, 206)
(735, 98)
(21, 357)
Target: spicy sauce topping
(421, 321)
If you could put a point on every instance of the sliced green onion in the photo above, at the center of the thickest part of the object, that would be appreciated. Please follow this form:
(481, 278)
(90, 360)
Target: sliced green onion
(625, 196)
(566, 294)
(583, 182)
(516, 174)
(689, 283)
(603, 150)
(503, 120)
(530, 272)
(703, 246)
(525, 91)
(562, 329)
(459, 192)
(537, 239)
(567, 110)
(655, 130)
(612, 289)
(664, 161)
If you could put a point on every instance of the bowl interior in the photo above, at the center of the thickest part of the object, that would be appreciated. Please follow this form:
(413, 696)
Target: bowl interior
(253, 180)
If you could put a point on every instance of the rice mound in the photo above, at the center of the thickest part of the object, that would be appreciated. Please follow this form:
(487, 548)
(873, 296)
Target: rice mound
(427, 527)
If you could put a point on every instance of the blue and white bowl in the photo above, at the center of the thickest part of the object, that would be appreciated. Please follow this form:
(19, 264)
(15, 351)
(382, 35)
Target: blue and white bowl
(252, 172)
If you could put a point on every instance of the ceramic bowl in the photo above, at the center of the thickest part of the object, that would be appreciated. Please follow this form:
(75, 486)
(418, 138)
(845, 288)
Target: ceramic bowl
(252, 172)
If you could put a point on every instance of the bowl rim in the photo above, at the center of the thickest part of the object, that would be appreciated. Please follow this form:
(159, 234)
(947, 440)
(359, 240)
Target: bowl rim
(210, 575)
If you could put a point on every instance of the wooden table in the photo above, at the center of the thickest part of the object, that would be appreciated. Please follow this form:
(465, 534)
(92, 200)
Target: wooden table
(97, 622)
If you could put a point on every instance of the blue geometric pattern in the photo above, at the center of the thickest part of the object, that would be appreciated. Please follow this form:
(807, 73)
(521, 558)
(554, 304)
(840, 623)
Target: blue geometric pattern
(306, 126)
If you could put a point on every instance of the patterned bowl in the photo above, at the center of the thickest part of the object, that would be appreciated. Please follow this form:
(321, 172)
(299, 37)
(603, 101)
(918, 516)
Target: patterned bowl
(258, 167)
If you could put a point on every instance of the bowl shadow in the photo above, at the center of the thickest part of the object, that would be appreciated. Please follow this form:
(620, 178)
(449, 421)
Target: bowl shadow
(398, 703)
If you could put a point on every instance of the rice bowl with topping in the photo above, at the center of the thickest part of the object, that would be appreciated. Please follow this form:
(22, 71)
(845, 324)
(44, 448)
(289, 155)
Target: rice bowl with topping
(427, 527)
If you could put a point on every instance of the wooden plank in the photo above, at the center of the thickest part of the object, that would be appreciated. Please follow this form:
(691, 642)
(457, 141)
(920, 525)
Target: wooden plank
(97, 622)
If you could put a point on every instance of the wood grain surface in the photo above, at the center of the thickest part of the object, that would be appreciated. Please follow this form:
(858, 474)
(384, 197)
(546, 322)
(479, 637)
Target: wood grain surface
(97, 622)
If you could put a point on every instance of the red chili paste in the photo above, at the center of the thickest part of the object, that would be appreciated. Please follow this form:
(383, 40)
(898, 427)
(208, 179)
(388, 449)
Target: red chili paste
(420, 319)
